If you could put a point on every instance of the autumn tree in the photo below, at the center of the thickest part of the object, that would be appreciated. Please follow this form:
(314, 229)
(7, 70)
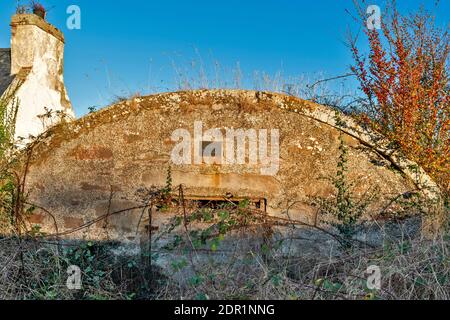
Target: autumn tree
(405, 79)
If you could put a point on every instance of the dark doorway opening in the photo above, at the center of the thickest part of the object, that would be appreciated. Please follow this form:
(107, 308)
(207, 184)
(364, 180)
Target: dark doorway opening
(227, 202)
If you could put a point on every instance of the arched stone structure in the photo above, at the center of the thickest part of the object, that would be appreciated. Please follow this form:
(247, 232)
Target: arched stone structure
(96, 165)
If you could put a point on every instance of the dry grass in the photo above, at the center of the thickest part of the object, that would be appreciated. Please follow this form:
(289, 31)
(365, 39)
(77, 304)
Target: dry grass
(410, 269)
(35, 270)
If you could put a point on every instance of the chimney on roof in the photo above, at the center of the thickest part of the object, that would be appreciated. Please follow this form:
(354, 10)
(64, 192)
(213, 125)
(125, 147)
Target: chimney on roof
(33, 41)
(37, 48)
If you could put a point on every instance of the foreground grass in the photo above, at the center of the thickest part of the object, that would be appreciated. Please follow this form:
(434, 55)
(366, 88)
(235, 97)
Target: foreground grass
(410, 269)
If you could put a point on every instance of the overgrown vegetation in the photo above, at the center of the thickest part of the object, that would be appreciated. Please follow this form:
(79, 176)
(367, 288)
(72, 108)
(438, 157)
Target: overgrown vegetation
(234, 250)
(344, 209)
(10, 192)
(405, 78)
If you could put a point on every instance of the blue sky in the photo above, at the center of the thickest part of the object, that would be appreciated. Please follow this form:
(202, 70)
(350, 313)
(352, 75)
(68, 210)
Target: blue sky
(136, 46)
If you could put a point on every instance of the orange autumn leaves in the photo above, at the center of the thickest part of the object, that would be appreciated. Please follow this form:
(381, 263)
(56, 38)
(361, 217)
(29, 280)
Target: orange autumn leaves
(406, 80)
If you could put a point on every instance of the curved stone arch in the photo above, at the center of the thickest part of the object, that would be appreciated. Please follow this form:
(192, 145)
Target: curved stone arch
(329, 117)
(306, 108)
(246, 101)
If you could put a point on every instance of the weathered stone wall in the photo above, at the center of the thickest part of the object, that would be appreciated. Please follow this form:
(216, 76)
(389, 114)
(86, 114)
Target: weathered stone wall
(83, 170)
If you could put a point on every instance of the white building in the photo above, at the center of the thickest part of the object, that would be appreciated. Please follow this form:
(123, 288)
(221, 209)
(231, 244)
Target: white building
(31, 74)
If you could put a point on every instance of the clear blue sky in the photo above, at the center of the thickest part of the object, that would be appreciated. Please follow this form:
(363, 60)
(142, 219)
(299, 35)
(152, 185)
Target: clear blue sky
(133, 46)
